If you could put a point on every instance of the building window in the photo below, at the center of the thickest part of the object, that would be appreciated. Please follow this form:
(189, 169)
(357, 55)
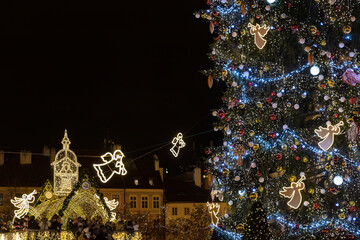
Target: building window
(186, 211)
(115, 197)
(174, 211)
(144, 202)
(156, 202)
(136, 182)
(133, 202)
(151, 182)
(1, 199)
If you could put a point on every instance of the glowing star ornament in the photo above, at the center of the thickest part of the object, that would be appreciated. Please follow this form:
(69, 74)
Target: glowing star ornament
(328, 134)
(178, 143)
(112, 164)
(23, 204)
(214, 209)
(294, 193)
(259, 33)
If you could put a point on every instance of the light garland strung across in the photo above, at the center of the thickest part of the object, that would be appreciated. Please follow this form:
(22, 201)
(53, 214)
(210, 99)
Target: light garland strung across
(178, 143)
(328, 135)
(23, 204)
(294, 193)
(112, 164)
(214, 209)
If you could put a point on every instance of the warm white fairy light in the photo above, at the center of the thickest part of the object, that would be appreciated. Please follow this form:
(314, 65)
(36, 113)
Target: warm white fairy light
(294, 193)
(178, 143)
(328, 135)
(112, 164)
(66, 169)
(338, 180)
(23, 204)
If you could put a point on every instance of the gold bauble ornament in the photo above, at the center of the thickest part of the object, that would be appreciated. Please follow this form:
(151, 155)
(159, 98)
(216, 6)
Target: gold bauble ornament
(252, 133)
(240, 227)
(313, 30)
(297, 142)
(224, 73)
(347, 29)
(284, 147)
(292, 178)
(279, 168)
(266, 68)
(331, 83)
(342, 215)
(256, 147)
(243, 32)
(259, 104)
(358, 168)
(226, 172)
(323, 43)
(311, 191)
(260, 188)
(327, 167)
(352, 203)
(253, 196)
(305, 159)
(241, 105)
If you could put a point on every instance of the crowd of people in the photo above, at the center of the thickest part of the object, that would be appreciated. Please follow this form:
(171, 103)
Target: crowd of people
(84, 229)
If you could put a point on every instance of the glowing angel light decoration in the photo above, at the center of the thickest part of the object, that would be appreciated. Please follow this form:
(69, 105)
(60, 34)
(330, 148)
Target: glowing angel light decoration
(112, 164)
(294, 193)
(111, 204)
(214, 209)
(259, 33)
(328, 135)
(23, 204)
(178, 143)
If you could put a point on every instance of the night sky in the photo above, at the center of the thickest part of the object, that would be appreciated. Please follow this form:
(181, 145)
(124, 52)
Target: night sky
(127, 70)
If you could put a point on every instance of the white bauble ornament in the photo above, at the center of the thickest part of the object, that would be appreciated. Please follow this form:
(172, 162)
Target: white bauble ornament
(326, 98)
(197, 15)
(302, 174)
(306, 203)
(321, 77)
(216, 159)
(234, 34)
(214, 113)
(351, 54)
(279, 94)
(267, 8)
(285, 127)
(341, 110)
(234, 84)
(241, 67)
(230, 202)
(226, 215)
(253, 165)
(341, 45)
(261, 179)
(246, 74)
(322, 191)
(237, 178)
(296, 106)
(302, 40)
(314, 70)
(274, 105)
(342, 99)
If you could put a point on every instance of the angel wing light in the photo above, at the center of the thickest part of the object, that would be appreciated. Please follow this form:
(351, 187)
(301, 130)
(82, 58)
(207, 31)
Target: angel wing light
(112, 164)
(23, 204)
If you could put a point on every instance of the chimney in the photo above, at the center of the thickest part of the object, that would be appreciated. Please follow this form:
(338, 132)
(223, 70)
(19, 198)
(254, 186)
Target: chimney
(157, 166)
(2, 158)
(52, 154)
(25, 157)
(197, 176)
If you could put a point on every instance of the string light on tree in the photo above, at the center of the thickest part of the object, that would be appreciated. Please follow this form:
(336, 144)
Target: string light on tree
(113, 164)
(178, 143)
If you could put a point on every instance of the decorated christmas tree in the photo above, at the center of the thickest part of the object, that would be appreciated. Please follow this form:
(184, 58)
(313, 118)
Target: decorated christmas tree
(289, 117)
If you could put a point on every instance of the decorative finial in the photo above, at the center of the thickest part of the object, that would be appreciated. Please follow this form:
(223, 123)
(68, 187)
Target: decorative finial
(66, 141)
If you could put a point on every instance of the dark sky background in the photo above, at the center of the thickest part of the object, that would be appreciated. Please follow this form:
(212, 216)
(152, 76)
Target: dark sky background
(126, 70)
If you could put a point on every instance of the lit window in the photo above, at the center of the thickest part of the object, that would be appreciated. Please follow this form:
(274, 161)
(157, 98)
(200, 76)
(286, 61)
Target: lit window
(174, 211)
(151, 182)
(1, 199)
(144, 202)
(115, 197)
(186, 211)
(156, 202)
(133, 202)
(136, 181)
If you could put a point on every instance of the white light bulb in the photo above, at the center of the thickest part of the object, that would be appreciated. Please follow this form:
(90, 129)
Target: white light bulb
(338, 180)
(314, 70)
(306, 203)
(270, 1)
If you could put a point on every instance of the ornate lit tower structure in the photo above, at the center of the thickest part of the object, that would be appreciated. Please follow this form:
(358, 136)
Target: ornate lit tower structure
(66, 169)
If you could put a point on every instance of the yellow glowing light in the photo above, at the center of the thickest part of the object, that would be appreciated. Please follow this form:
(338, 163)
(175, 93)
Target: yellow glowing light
(178, 143)
(259, 32)
(111, 204)
(294, 193)
(106, 170)
(23, 204)
(328, 134)
(217, 193)
(214, 209)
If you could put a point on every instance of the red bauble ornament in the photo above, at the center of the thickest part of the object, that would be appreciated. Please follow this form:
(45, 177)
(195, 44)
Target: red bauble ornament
(278, 156)
(353, 100)
(269, 100)
(279, 29)
(292, 147)
(336, 115)
(316, 206)
(272, 135)
(325, 231)
(317, 33)
(258, 173)
(333, 190)
(294, 27)
(272, 117)
(322, 85)
(241, 132)
(221, 114)
(352, 209)
(297, 226)
(250, 84)
(297, 158)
